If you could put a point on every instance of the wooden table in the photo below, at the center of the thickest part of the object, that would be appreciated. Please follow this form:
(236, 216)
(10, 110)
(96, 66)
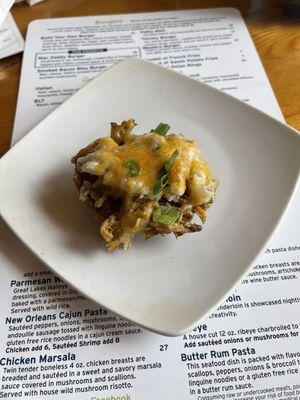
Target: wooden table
(276, 36)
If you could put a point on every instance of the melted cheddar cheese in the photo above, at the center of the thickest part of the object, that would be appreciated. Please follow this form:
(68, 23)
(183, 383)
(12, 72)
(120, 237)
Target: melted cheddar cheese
(189, 172)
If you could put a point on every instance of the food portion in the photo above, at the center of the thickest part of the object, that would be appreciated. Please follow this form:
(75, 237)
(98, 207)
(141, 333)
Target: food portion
(156, 183)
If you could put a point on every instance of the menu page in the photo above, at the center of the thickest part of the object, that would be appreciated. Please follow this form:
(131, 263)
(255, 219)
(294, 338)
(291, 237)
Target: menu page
(55, 344)
(5, 6)
(212, 45)
(11, 41)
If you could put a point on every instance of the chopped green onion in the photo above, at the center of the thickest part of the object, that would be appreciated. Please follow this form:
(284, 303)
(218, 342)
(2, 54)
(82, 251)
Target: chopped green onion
(162, 129)
(163, 177)
(169, 162)
(161, 182)
(166, 215)
(133, 167)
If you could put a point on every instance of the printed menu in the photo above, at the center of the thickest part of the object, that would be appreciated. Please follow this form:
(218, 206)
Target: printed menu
(55, 344)
(11, 41)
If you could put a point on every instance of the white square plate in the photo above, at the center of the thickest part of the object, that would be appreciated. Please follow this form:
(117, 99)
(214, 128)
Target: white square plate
(163, 284)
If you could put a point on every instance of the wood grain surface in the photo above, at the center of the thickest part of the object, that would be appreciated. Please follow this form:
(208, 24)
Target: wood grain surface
(276, 36)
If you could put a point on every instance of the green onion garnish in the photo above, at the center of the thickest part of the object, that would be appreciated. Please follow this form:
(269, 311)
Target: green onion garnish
(163, 178)
(162, 129)
(166, 215)
(161, 182)
(169, 162)
(133, 167)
